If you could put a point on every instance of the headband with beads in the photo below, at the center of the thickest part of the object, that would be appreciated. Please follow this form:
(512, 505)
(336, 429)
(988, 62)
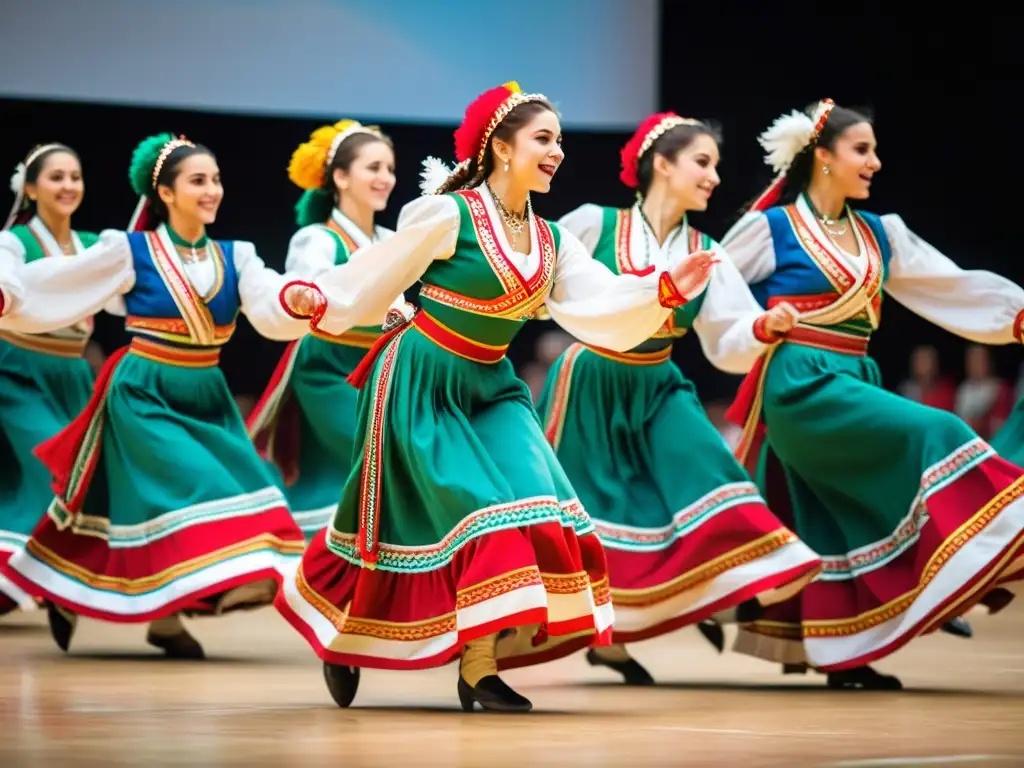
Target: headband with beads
(308, 166)
(484, 115)
(787, 137)
(18, 181)
(352, 129)
(648, 132)
(165, 152)
(141, 219)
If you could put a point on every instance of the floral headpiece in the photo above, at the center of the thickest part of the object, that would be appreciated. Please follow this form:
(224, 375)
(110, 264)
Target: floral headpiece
(787, 137)
(649, 131)
(308, 166)
(482, 117)
(148, 160)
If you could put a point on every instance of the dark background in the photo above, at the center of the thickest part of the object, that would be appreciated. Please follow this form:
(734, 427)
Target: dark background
(943, 90)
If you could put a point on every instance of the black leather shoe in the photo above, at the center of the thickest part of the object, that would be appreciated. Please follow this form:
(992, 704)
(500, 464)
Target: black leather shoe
(492, 693)
(997, 599)
(631, 670)
(61, 627)
(179, 646)
(863, 677)
(342, 683)
(958, 627)
(713, 633)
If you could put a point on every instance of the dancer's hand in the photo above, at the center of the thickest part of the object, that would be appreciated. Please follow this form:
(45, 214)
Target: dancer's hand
(781, 318)
(693, 271)
(302, 300)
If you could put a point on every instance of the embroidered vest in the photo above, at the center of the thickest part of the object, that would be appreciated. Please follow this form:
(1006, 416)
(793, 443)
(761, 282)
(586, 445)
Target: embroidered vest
(809, 276)
(164, 305)
(478, 292)
(614, 250)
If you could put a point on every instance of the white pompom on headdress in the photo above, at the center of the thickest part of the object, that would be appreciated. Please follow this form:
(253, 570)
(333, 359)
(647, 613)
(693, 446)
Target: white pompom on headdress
(787, 137)
(790, 134)
(18, 188)
(18, 179)
(435, 173)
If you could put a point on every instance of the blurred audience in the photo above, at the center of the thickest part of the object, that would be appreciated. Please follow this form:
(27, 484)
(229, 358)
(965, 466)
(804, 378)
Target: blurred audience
(926, 384)
(983, 400)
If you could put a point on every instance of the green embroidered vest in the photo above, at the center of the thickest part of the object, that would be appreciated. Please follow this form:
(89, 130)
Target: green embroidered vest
(613, 250)
(478, 292)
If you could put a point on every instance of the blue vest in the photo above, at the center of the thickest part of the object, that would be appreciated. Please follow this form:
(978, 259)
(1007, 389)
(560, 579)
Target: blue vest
(796, 273)
(150, 297)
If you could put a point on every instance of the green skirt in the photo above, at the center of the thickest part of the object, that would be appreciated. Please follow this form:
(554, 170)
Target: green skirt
(916, 517)
(305, 425)
(162, 505)
(456, 522)
(1008, 442)
(685, 530)
(40, 394)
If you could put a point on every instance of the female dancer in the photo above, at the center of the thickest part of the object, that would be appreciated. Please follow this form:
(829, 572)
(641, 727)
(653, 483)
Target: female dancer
(457, 524)
(305, 421)
(916, 517)
(162, 504)
(44, 378)
(681, 545)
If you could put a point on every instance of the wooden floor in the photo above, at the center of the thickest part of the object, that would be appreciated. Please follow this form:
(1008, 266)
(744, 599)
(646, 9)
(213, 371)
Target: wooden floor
(260, 700)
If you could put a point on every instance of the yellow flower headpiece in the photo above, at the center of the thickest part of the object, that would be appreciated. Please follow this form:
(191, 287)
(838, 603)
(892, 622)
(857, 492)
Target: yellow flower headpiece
(311, 160)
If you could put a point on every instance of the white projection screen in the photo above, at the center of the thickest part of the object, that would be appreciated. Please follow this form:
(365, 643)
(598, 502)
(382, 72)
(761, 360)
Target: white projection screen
(415, 61)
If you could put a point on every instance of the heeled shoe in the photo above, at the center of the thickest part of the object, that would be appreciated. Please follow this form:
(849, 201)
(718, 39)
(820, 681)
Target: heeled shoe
(342, 683)
(997, 599)
(958, 627)
(863, 677)
(180, 646)
(632, 671)
(713, 633)
(493, 694)
(62, 625)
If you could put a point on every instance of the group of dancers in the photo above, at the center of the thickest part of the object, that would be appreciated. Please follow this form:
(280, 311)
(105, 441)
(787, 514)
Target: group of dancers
(398, 496)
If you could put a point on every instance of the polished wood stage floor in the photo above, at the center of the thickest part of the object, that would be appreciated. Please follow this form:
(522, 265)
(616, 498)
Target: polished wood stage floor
(260, 700)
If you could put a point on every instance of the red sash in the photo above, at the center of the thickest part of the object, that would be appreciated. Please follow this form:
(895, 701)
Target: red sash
(284, 427)
(60, 452)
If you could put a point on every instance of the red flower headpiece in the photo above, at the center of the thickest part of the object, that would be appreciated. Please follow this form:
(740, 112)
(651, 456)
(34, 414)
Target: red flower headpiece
(650, 131)
(484, 115)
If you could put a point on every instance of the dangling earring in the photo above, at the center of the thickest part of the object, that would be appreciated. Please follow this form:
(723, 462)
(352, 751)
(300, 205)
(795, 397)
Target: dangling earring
(826, 170)
(506, 166)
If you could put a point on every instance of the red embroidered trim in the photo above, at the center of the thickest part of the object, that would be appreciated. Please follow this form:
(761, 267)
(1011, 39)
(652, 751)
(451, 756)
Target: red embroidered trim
(1018, 327)
(668, 295)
